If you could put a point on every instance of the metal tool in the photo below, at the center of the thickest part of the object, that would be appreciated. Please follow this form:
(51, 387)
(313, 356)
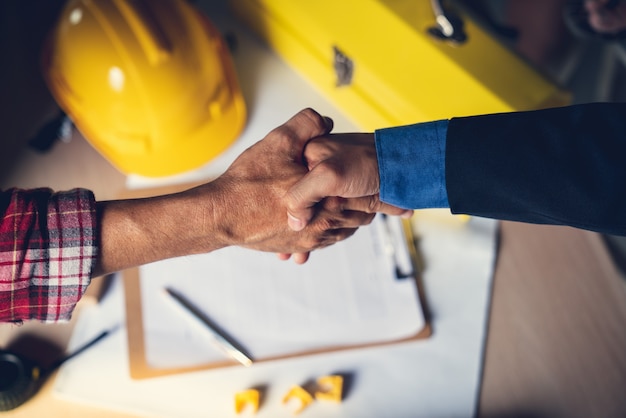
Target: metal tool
(21, 378)
(449, 26)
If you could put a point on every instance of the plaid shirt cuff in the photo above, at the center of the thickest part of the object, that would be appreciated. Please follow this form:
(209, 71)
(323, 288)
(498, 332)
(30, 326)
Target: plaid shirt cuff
(47, 252)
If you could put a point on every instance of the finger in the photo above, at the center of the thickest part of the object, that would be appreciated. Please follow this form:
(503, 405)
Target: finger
(314, 186)
(331, 237)
(354, 219)
(283, 256)
(337, 217)
(372, 204)
(342, 233)
(301, 258)
(304, 126)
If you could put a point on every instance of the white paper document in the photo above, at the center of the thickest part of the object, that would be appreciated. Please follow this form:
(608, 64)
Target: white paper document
(347, 294)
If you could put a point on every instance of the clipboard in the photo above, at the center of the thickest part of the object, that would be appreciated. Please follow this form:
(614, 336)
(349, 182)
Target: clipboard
(138, 317)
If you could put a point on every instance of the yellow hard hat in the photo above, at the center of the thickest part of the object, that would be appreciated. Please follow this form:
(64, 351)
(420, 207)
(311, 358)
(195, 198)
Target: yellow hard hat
(149, 83)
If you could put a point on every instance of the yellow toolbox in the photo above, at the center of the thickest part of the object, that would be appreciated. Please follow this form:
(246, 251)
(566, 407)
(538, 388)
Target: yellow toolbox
(393, 62)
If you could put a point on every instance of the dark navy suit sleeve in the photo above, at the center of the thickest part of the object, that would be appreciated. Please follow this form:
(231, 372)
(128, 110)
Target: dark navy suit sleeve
(562, 166)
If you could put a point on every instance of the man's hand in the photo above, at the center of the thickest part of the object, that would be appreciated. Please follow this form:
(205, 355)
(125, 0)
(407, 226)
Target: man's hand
(247, 201)
(344, 166)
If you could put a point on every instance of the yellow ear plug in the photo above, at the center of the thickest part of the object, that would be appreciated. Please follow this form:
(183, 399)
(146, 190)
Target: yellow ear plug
(330, 388)
(300, 395)
(247, 399)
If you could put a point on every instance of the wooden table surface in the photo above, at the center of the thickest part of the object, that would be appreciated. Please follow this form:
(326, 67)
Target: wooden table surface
(556, 344)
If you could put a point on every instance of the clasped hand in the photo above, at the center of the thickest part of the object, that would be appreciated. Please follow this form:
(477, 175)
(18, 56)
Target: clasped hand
(299, 189)
(324, 192)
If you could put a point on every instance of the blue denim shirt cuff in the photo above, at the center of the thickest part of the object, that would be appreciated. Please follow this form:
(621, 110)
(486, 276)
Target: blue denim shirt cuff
(411, 164)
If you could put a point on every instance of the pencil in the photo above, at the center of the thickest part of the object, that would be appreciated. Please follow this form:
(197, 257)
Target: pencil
(223, 341)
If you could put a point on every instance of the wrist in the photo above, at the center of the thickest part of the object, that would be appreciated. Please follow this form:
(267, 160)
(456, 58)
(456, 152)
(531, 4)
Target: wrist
(207, 214)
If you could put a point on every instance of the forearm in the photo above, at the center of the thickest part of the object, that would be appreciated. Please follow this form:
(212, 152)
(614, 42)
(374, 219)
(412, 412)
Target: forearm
(560, 166)
(556, 166)
(140, 231)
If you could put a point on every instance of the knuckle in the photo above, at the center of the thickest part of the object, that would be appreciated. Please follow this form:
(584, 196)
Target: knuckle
(327, 169)
(342, 234)
(332, 173)
(333, 223)
(334, 204)
(313, 116)
(311, 242)
(373, 204)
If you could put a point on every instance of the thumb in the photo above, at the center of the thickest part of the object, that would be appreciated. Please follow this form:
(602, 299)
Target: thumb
(301, 198)
(300, 201)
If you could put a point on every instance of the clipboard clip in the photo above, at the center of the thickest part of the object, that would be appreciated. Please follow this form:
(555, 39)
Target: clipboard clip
(396, 245)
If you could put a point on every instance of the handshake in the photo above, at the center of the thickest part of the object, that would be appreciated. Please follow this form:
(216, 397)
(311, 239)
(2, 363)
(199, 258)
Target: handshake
(297, 190)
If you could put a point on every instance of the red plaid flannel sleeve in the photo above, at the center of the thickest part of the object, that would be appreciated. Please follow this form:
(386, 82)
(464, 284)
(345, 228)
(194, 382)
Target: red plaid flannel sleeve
(47, 252)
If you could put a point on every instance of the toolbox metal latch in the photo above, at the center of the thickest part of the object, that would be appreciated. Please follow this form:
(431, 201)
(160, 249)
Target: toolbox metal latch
(344, 67)
(449, 26)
